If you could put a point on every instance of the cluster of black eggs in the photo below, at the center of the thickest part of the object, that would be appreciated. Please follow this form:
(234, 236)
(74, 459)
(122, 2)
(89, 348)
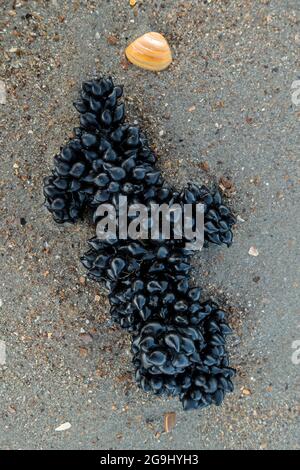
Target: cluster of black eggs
(107, 157)
(178, 341)
(185, 357)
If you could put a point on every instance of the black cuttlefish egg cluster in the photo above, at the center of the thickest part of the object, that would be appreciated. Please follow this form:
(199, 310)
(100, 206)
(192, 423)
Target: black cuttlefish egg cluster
(178, 341)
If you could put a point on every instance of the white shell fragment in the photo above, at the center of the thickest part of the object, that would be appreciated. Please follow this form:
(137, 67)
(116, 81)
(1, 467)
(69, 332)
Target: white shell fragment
(253, 251)
(63, 427)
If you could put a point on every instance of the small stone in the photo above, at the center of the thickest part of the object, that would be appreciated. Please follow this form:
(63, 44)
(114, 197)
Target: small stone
(256, 180)
(83, 352)
(86, 338)
(124, 63)
(82, 280)
(112, 39)
(219, 104)
(226, 183)
(253, 251)
(132, 3)
(279, 195)
(191, 109)
(97, 298)
(246, 392)
(204, 166)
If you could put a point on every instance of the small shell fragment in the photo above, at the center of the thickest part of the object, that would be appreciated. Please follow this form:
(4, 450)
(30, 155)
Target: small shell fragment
(150, 51)
(169, 421)
(253, 251)
(63, 427)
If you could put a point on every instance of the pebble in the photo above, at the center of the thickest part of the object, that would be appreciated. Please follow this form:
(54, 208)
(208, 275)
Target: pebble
(253, 251)
(86, 338)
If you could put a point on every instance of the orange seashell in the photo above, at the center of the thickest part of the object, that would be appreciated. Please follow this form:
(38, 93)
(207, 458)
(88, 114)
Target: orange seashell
(150, 51)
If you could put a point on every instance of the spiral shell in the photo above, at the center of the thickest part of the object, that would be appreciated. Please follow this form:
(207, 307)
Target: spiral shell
(150, 51)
